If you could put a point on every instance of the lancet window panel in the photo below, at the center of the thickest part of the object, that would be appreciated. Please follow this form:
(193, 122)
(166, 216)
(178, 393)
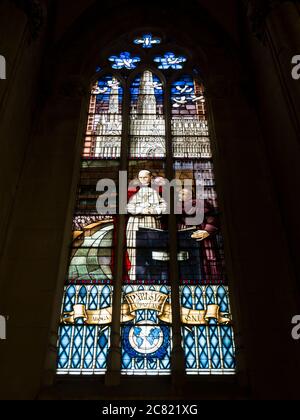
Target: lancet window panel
(146, 330)
(199, 235)
(84, 332)
(207, 322)
(207, 334)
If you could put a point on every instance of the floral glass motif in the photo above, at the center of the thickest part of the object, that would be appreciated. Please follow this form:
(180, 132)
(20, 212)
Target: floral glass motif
(170, 61)
(147, 41)
(183, 93)
(124, 61)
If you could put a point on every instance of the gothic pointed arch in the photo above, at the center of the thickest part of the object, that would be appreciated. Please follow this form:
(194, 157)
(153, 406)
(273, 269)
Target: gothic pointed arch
(147, 118)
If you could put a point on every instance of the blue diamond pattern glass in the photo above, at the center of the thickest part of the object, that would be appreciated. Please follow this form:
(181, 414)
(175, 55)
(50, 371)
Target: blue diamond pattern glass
(89, 347)
(228, 347)
(102, 348)
(203, 350)
(77, 347)
(65, 333)
(209, 348)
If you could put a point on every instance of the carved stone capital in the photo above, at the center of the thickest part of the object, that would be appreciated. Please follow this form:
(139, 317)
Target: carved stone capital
(35, 15)
(258, 12)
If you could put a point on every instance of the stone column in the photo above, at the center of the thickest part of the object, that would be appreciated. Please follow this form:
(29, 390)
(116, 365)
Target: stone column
(274, 39)
(256, 247)
(277, 24)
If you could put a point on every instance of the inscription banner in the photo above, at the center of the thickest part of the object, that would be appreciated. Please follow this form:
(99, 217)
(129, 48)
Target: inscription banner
(142, 300)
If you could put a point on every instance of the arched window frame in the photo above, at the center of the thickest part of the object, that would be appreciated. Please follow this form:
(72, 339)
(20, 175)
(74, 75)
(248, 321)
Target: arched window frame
(125, 78)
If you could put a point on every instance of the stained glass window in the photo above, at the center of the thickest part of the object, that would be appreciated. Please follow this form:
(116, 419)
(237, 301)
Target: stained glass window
(165, 130)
